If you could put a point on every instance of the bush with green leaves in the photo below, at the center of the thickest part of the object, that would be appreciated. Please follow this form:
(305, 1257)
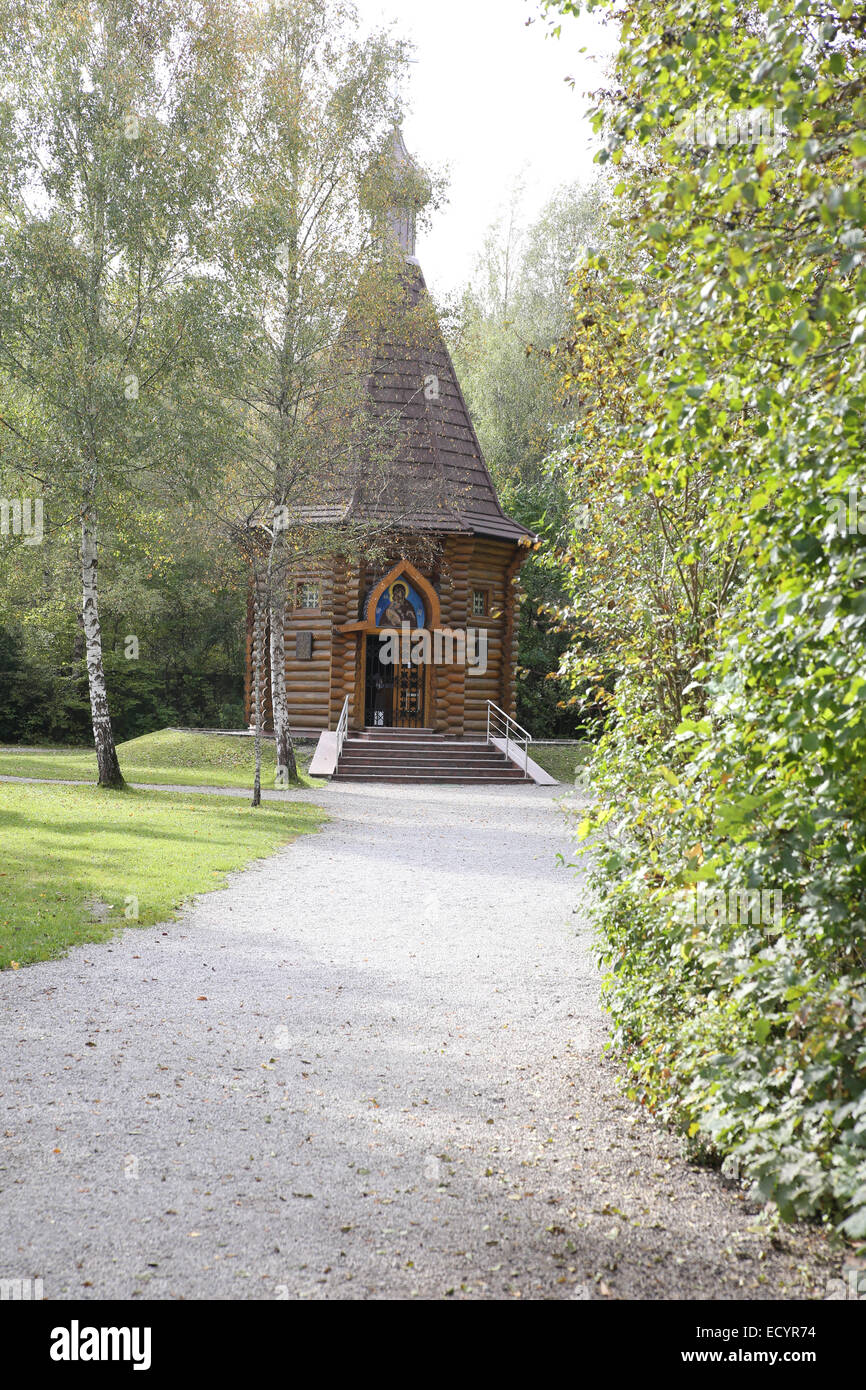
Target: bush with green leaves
(735, 442)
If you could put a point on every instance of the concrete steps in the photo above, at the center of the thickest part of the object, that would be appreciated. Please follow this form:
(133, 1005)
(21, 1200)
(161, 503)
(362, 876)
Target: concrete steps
(420, 755)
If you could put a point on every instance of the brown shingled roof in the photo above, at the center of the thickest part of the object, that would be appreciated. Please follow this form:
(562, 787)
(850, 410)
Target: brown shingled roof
(438, 462)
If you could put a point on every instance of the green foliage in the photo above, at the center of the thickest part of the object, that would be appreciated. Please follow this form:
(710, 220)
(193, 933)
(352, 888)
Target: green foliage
(169, 581)
(115, 128)
(725, 443)
(111, 154)
(545, 704)
(507, 328)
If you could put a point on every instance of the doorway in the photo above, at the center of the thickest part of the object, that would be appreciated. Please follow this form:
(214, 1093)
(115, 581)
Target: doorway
(394, 694)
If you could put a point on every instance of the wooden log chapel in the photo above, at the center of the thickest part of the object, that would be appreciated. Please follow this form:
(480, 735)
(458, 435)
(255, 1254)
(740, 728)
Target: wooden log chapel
(463, 594)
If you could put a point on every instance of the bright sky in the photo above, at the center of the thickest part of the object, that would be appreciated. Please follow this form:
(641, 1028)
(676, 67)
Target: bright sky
(488, 97)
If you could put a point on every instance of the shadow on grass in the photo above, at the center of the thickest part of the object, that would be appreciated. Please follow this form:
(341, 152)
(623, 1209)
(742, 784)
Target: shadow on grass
(63, 845)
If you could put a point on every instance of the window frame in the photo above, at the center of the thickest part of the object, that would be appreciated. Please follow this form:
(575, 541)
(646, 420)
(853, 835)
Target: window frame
(308, 607)
(483, 589)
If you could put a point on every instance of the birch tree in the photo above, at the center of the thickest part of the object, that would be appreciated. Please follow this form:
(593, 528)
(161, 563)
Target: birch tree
(113, 125)
(312, 280)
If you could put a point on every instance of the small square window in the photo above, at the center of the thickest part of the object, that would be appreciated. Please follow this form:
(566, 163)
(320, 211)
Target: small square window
(479, 603)
(307, 595)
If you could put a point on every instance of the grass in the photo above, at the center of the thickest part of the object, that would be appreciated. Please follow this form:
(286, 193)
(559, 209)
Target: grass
(562, 761)
(170, 757)
(77, 860)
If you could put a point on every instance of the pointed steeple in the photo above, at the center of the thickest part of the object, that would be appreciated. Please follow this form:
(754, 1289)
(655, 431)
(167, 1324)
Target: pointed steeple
(437, 480)
(414, 388)
(403, 211)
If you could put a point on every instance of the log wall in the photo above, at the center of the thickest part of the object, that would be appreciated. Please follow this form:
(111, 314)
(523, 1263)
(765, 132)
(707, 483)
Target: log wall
(449, 682)
(491, 561)
(308, 683)
(457, 703)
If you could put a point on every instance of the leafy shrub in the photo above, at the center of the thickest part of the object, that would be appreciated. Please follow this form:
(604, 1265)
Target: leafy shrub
(721, 379)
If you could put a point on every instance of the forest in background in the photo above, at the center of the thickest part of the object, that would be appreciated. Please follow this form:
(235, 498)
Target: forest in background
(169, 581)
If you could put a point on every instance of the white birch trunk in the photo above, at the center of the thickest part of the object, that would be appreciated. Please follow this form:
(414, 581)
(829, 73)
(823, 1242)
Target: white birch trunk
(287, 768)
(258, 683)
(103, 736)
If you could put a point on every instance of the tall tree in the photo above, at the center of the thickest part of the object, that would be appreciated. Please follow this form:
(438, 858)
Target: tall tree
(113, 129)
(313, 285)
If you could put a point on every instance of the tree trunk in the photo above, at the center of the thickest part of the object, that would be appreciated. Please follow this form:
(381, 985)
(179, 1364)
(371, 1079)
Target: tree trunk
(287, 767)
(103, 737)
(258, 684)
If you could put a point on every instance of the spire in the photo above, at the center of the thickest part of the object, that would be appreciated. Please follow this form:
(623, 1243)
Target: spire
(401, 215)
(437, 474)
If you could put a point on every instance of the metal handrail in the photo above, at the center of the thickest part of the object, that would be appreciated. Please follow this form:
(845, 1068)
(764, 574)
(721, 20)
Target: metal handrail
(342, 727)
(502, 725)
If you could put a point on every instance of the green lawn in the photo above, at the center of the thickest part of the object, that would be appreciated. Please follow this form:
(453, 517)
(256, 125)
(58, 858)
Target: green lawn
(560, 760)
(170, 757)
(74, 855)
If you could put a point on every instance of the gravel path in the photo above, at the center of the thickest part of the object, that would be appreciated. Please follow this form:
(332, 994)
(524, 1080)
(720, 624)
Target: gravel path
(369, 1068)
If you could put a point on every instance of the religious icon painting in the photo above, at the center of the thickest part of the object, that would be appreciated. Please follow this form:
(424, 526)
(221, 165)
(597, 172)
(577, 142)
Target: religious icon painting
(400, 604)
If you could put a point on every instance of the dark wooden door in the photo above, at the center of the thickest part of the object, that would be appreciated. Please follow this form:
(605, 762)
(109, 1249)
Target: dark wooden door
(394, 694)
